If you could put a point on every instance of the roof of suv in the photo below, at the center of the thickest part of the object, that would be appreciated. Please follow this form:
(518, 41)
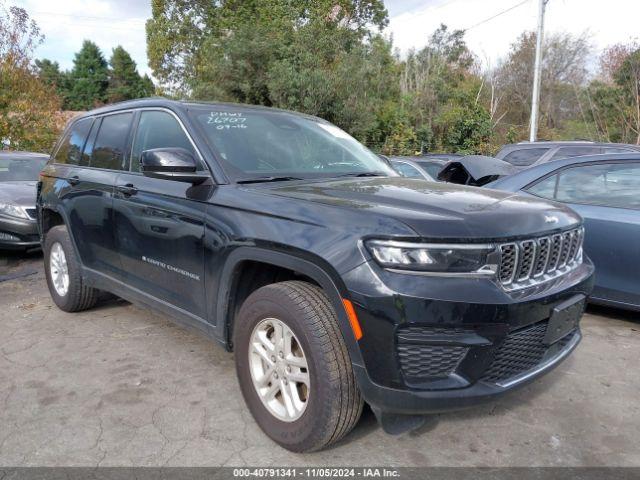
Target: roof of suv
(167, 103)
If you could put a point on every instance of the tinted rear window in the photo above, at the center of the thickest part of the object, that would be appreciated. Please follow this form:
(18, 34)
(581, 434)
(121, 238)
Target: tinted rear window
(525, 157)
(111, 142)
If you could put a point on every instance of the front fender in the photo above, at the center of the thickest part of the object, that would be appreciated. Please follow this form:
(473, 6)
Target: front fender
(324, 276)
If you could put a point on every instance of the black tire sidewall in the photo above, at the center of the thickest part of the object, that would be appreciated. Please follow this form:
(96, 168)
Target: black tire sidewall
(303, 433)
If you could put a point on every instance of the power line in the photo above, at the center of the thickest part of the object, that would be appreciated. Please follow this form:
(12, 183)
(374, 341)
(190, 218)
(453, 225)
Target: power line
(496, 15)
(114, 19)
(92, 25)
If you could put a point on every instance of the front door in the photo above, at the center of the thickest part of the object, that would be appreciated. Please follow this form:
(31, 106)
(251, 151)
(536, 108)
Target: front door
(159, 223)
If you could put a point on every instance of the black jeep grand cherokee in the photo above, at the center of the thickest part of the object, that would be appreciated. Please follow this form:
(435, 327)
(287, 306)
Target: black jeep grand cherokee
(333, 280)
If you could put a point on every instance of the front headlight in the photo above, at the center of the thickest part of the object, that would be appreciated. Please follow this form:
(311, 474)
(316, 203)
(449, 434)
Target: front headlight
(11, 210)
(435, 258)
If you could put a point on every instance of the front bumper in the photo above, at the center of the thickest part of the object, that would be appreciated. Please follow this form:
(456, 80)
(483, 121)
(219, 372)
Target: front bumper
(397, 401)
(441, 347)
(18, 233)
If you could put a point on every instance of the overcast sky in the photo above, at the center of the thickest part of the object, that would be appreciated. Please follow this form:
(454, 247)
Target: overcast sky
(121, 22)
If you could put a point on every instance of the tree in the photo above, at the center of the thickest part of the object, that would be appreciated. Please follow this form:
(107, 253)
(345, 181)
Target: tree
(125, 83)
(612, 99)
(612, 58)
(147, 88)
(564, 72)
(627, 77)
(50, 73)
(89, 78)
(27, 105)
(193, 44)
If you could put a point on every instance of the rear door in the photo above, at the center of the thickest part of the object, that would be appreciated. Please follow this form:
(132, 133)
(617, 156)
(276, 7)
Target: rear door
(159, 223)
(89, 159)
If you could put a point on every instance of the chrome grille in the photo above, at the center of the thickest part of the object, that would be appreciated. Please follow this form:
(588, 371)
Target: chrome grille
(536, 260)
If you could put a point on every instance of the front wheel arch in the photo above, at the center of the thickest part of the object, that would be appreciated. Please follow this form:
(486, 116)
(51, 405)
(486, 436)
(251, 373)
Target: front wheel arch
(329, 282)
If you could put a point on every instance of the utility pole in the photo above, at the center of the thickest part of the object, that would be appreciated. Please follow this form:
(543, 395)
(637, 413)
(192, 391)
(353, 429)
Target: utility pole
(535, 101)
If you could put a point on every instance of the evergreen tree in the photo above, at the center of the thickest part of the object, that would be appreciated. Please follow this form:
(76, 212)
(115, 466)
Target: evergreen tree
(125, 83)
(89, 78)
(49, 72)
(147, 88)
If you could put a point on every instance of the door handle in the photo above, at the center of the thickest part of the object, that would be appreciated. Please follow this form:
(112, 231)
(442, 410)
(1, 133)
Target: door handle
(127, 190)
(75, 180)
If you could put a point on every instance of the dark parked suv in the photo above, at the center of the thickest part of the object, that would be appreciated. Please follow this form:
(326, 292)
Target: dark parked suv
(332, 279)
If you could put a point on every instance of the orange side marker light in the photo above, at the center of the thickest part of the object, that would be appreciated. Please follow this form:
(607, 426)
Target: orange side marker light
(353, 318)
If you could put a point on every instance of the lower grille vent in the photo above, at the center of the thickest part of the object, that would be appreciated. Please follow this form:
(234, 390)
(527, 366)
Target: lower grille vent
(419, 361)
(521, 351)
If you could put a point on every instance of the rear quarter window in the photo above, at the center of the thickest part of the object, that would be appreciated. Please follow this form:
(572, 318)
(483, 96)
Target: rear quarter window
(70, 150)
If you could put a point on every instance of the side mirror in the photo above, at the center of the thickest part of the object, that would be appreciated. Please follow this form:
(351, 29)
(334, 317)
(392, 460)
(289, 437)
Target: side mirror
(171, 164)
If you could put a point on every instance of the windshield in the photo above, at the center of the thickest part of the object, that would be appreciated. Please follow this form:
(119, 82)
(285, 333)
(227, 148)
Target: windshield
(16, 169)
(255, 144)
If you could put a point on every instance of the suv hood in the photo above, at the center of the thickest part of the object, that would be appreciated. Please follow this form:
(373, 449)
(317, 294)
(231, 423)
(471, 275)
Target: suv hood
(436, 210)
(18, 193)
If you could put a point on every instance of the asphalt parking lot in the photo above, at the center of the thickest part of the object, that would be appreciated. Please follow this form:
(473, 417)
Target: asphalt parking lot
(122, 386)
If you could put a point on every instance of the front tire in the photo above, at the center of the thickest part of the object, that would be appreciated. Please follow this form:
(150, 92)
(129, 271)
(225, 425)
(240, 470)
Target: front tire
(293, 366)
(63, 272)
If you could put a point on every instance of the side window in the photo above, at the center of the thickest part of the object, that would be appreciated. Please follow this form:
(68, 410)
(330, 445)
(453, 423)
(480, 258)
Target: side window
(406, 170)
(111, 142)
(545, 188)
(157, 129)
(608, 184)
(70, 150)
(525, 157)
(566, 152)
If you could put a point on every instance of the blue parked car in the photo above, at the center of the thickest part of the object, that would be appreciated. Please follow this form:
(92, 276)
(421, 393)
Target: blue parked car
(605, 191)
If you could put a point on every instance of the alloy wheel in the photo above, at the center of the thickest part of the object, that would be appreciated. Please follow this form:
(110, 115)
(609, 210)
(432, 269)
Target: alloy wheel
(279, 369)
(59, 269)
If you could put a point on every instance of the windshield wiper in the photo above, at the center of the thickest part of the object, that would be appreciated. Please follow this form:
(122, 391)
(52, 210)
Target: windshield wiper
(267, 179)
(363, 174)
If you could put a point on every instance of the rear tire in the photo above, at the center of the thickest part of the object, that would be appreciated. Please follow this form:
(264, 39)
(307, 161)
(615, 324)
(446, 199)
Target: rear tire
(332, 400)
(64, 274)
